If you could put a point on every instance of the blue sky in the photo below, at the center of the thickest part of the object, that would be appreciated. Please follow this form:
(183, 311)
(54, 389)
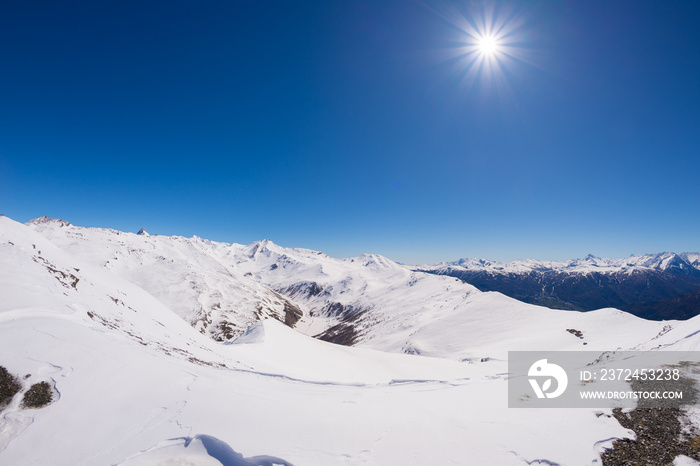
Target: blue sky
(357, 126)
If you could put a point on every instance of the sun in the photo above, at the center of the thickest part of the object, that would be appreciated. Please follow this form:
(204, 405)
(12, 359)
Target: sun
(487, 45)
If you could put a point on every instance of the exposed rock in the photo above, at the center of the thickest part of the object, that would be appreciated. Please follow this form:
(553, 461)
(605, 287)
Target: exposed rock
(39, 395)
(9, 387)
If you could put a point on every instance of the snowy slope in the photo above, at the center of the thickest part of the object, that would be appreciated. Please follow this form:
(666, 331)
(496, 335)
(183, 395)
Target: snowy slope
(136, 383)
(367, 301)
(37, 275)
(179, 272)
(119, 399)
(383, 305)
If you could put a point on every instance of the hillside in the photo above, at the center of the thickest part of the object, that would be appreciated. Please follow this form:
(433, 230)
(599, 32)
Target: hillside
(136, 381)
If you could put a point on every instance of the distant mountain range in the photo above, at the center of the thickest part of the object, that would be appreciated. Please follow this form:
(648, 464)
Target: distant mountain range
(653, 286)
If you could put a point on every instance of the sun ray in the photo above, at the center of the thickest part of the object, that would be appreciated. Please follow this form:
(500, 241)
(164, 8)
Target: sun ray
(486, 42)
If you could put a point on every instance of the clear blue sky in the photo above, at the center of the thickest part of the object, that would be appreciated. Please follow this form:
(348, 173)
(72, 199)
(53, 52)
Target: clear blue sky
(356, 126)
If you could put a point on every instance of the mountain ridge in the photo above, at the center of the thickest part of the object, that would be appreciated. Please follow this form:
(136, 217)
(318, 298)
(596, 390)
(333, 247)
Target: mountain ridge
(223, 288)
(112, 322)
(682, 262)
(649, 285)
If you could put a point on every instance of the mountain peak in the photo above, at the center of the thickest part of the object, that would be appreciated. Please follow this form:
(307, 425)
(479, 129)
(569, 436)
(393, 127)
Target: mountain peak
(44, 220)
(667, 261)
(376, 261)
(262, 246)
(143, 232)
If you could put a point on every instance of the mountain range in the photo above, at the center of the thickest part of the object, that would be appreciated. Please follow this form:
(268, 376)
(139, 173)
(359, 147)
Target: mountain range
(653, 286)
(163, 349)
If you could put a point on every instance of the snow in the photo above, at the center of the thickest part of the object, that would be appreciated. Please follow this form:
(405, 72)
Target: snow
(274, 348)
(693, 258)
(200, 450)
(683, 460)
(142, 398)
(177, 271)
(590, 263)
(138, 383)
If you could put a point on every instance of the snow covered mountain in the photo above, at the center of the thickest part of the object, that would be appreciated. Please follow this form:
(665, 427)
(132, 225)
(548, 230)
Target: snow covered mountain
(653, 286)
(221, 289)
(685, 263)
(181, 272)
(136, 337)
